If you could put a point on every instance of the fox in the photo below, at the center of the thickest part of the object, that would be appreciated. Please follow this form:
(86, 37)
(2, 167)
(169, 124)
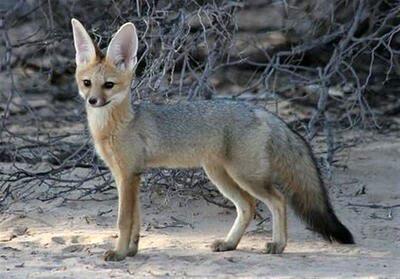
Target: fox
(247, 152)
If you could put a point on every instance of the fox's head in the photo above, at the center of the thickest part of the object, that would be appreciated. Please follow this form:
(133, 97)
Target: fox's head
(105, 79)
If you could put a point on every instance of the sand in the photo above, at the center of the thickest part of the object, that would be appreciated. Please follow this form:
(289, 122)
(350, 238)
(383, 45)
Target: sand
(67, 240)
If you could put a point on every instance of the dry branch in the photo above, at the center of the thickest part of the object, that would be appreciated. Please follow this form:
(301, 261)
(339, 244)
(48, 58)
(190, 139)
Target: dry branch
(337, 57)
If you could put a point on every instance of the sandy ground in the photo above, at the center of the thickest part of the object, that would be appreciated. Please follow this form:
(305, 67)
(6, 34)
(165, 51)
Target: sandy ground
(49, 240)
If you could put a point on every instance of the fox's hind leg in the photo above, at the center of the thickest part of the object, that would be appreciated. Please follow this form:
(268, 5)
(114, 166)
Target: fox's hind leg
(245, 206)
(276, 203)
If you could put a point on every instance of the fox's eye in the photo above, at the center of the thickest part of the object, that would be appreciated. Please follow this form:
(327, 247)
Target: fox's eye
(87, 82)
(109, 85)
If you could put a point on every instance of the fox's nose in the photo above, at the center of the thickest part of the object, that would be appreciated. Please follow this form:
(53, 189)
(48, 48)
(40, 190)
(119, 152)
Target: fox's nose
(93, 101)
(96, 101)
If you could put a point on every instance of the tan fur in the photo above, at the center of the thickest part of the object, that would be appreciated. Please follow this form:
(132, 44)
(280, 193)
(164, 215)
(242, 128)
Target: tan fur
(244, 150)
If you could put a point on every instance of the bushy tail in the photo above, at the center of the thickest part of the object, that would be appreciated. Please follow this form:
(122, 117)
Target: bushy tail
(298, 173)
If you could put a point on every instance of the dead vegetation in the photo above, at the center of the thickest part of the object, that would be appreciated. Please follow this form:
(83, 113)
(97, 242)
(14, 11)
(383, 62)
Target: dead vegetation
(325, 66)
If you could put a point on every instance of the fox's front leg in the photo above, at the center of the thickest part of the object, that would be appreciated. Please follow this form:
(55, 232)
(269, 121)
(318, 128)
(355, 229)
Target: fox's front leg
(128, 222)
(135, 232)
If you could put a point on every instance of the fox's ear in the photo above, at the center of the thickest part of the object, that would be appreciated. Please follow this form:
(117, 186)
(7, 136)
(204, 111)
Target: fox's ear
(84, 47)
(123, 47)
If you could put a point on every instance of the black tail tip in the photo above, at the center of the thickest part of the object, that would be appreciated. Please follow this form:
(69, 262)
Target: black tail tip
(341, 235)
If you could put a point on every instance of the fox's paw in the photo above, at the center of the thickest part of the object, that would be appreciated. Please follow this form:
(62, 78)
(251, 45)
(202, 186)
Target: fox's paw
(220, 246)
(132, 251)
(113, 256)
(275, 247)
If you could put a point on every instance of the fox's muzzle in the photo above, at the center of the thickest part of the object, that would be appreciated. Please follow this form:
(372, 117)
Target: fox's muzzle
(96, 101)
